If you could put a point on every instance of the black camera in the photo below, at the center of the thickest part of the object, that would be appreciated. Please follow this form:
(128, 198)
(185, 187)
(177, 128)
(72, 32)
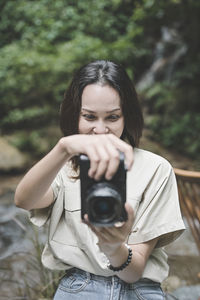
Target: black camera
(103, 200)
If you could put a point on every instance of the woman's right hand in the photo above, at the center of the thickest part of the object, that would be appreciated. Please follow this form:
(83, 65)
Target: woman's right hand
(102, 150)
(34, 190)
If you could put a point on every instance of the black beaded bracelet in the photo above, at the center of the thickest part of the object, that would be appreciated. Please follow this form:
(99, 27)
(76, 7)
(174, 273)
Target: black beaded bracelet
(124, 265)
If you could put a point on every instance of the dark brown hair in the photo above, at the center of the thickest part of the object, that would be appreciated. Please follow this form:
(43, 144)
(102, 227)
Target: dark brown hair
(104, 73)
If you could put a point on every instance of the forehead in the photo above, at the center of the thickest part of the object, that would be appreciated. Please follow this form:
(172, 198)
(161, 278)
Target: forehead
(96, 97)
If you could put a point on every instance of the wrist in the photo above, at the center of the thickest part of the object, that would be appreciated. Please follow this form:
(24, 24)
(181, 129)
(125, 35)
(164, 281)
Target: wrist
(109, 250)
(115, 252)
(121, 260)
(64, 148)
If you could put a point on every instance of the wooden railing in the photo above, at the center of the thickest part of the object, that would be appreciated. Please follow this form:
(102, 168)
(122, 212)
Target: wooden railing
(189, 193)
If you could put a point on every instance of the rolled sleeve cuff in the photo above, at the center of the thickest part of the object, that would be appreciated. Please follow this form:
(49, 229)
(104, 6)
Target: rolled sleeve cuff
(167, 233)
(39, 217)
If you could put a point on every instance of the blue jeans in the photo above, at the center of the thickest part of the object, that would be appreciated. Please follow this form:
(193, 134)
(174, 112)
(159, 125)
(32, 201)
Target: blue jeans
(78, 284)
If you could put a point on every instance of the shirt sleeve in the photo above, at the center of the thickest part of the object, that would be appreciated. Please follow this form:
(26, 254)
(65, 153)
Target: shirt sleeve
(159, 212)
(40, 217)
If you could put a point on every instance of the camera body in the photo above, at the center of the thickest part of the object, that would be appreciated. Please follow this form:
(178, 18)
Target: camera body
(103, 200)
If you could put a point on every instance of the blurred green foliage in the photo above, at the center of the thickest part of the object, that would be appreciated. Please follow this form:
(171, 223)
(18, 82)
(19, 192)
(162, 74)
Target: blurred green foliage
(43, 42)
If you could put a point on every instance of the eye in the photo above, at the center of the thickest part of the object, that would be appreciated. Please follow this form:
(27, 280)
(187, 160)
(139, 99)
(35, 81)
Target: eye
(113, 117)
(89, 117)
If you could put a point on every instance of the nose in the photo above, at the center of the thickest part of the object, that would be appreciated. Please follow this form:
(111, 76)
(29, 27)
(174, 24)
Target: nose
(100, 128)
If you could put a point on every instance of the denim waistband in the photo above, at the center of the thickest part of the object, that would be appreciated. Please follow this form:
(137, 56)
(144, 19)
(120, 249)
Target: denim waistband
(109, 278)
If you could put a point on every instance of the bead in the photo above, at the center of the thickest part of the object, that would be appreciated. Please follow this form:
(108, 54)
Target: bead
(124, 265)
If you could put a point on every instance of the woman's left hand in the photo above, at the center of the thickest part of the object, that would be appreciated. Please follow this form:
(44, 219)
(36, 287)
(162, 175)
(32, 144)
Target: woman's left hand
(111, 238)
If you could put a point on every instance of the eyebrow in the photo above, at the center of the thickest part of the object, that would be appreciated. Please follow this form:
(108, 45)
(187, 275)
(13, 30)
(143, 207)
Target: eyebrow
(110, 111)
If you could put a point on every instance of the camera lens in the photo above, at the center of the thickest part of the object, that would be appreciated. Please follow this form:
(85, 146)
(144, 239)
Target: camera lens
(104, 204)
(104, 210)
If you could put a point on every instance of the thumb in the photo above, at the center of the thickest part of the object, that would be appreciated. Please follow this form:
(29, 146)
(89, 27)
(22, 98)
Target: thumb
(130, 212)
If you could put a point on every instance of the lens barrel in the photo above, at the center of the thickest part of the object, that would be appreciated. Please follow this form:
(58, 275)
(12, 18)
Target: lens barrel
(104, 204)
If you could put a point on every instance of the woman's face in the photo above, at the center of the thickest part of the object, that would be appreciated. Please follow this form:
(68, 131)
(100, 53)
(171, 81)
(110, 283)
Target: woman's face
(101, 111)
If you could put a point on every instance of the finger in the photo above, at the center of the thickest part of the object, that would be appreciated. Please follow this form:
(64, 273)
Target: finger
(119, 224)
(109, 158)
(99, 231)
(85, 219)
(114, 160)
(130, 213)
(94, 161)
(103, 234)
(99, 157)
(103, 162)
(96, 230)
(112, 233)
(125, 148)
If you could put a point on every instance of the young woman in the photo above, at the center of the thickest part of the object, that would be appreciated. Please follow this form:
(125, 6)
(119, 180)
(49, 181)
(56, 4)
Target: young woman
(100, 116)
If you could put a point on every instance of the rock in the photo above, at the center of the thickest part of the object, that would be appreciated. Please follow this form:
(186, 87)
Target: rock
(171, 283)
(184, 245)
(10, 157)
(188, 292)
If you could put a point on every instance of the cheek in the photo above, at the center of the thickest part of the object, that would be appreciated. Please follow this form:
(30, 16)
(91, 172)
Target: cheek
(118, 128)
(80, 126)
(83, 126)
(121, 124)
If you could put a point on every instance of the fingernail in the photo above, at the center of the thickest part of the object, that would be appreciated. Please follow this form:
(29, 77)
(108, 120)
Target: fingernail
(119, 224)
(126, 166)
(90, 174)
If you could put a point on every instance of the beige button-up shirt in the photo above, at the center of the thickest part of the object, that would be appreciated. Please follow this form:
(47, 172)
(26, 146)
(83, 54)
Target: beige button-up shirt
(152, 192)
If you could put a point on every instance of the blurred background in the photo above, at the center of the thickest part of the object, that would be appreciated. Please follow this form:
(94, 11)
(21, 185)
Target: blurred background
(42, 43)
